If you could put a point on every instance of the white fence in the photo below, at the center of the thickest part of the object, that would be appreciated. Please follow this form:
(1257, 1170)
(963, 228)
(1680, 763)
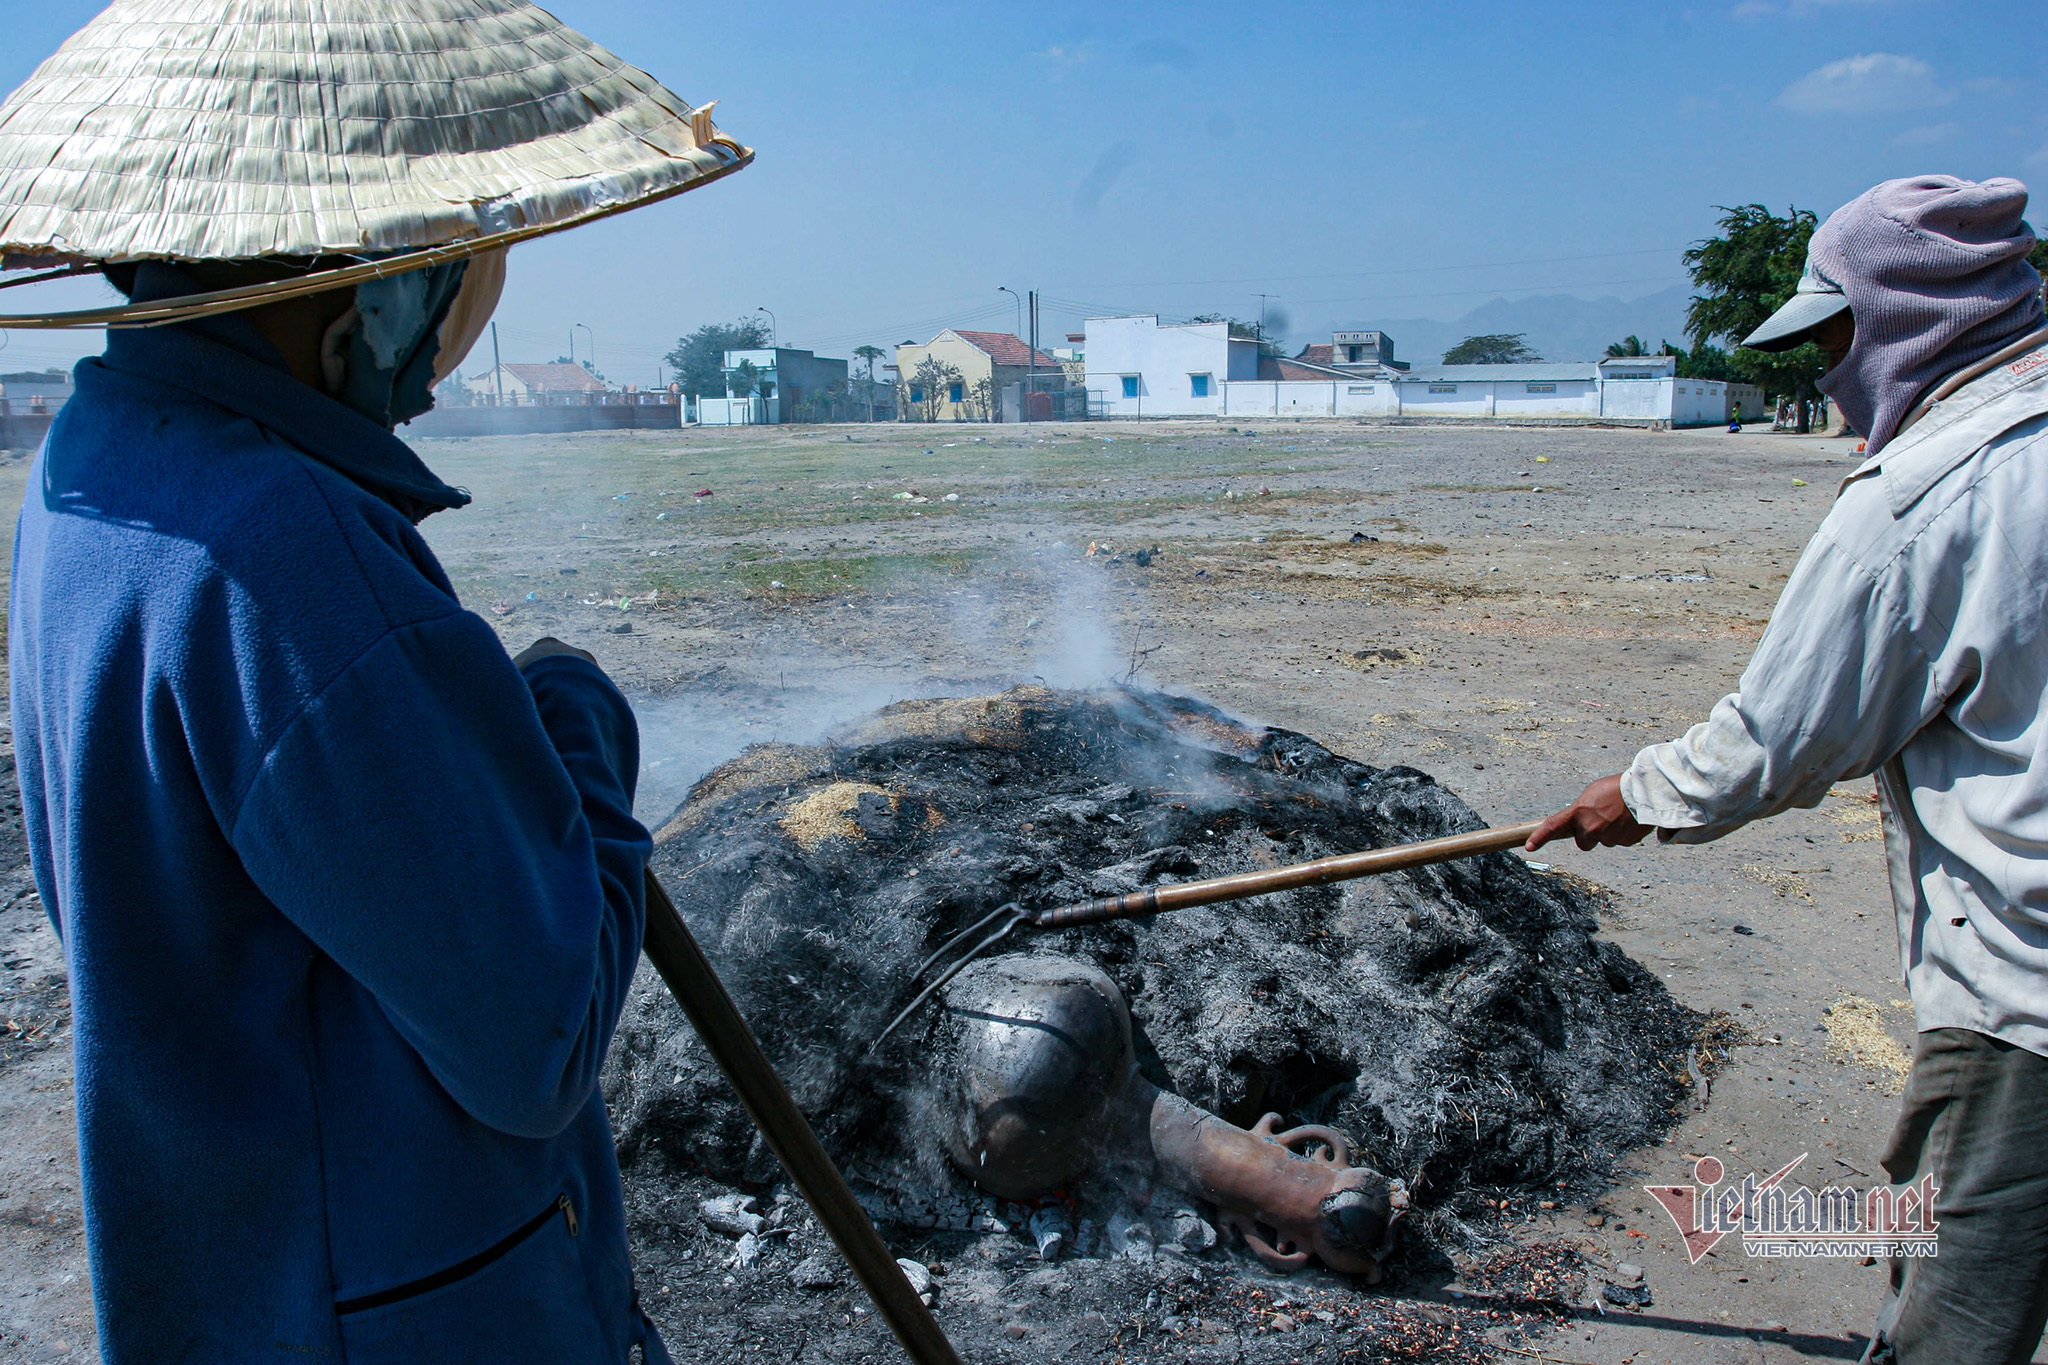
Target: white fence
(1681, 402)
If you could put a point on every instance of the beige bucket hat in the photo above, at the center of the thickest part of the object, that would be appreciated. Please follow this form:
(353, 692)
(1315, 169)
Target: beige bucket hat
(409, 133)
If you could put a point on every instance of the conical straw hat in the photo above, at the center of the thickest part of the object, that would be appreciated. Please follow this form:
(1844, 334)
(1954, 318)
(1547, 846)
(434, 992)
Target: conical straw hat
(418, 130)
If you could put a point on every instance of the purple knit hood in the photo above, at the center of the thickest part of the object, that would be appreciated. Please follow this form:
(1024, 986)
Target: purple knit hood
(1935, 271)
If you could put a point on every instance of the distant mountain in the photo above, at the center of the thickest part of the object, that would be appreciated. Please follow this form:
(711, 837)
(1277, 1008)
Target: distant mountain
(1559, 326)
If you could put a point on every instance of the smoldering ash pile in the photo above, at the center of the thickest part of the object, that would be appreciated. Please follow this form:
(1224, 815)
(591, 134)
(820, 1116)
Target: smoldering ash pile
(1298, 1075)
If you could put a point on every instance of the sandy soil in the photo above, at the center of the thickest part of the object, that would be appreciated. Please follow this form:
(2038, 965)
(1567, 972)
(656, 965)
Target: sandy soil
(1460, 599)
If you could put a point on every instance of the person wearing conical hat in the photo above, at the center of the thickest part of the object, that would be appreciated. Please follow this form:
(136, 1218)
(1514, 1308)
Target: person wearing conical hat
(350, 900)
(1909, 644)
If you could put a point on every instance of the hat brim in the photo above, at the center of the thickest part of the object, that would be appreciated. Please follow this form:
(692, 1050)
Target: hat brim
(161, 312)
(1795, 320)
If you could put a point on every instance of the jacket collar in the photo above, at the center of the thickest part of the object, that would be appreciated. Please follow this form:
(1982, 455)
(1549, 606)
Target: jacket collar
(1957, 427)
(227, 362)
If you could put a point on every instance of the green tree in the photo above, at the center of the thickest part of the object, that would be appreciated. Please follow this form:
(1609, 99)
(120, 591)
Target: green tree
(743, 380)
(1701, 362)
(1498, 348)
(1743, 276)
(699, 358)
(871, 356)
(1630, 345)
(928, 385)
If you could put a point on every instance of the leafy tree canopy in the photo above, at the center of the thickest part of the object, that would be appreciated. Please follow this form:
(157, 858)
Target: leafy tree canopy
(1627, 346)
(1500, 348)
(1701, 362)
(1743, 276)
(699, 358)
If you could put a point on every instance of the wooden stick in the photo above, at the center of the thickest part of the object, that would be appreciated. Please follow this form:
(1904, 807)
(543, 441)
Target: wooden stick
(1343, 867)
(674, 951)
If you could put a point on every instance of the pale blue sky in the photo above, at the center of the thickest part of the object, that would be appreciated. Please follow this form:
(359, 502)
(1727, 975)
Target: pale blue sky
(1359, 161)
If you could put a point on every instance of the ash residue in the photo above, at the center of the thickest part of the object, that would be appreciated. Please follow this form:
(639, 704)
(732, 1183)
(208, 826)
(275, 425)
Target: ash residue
(1460, 1021)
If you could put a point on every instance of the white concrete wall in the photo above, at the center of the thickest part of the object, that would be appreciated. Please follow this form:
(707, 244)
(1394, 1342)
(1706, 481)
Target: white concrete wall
(1471, 399)
(732, 412)
(1752, 399)
(1244, 359)
(1566, 398)
(1699, 402)
(1365, 398)
(1641, 398)
(1163, 359)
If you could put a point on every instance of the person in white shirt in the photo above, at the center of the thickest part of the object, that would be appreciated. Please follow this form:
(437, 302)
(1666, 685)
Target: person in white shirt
(1912, 643)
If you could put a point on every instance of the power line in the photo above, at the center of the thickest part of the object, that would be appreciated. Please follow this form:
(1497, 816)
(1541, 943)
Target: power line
(1398, 270)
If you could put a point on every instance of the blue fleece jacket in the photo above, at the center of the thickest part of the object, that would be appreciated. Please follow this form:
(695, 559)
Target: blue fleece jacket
(350, 906)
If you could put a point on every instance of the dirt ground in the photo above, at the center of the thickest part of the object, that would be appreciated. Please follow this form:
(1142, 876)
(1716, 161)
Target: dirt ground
(1459, 599)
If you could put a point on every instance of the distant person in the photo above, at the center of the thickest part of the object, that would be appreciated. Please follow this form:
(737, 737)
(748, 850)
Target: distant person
(1735, 421)
(1912, 642)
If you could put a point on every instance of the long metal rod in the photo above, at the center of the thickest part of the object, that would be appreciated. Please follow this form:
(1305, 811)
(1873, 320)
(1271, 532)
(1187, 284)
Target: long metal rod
(1181, 895)
(676, 955)
(1343, 867)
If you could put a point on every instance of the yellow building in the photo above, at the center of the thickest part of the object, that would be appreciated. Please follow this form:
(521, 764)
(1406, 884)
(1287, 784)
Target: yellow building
(969, 372)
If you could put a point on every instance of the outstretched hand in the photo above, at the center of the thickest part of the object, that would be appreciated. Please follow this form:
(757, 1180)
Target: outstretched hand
(1598, 817)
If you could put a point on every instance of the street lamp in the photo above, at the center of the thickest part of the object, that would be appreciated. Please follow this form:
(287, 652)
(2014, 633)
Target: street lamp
(1023, 397)
(593, 344)
(773, 330)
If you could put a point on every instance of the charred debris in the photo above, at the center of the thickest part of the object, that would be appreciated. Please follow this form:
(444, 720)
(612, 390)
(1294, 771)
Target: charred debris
(1459, 1024)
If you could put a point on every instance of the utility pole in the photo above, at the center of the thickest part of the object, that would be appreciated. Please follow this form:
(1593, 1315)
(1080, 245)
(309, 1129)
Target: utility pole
(1005, 289)
(1262, 316)
(1031, 361)
(498, 362)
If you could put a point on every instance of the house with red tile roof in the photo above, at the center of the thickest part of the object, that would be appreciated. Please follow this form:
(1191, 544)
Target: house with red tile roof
(522, 385)
(964, 373)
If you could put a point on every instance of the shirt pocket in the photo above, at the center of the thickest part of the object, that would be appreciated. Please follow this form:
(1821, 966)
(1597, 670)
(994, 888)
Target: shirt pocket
(524, 1298)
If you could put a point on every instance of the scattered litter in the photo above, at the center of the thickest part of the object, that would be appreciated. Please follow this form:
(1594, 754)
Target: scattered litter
(567, 573)
(1744, 930)
(1360, 537)
(622, 497)
(1542, 459)
(701, 493)
(777, 583)
(954, 497)
(1626, 1296)
(622, 628)
(501, 608)
(1799, 483)
(533, 597)
(1142, 558)
(746, 1251)
(661, 516)
(1625, 1273)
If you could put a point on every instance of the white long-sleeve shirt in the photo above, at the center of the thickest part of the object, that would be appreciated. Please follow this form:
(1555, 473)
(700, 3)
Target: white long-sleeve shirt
(1912, 641)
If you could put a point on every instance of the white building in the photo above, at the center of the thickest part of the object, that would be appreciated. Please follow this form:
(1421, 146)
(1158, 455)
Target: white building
(1138, 368)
